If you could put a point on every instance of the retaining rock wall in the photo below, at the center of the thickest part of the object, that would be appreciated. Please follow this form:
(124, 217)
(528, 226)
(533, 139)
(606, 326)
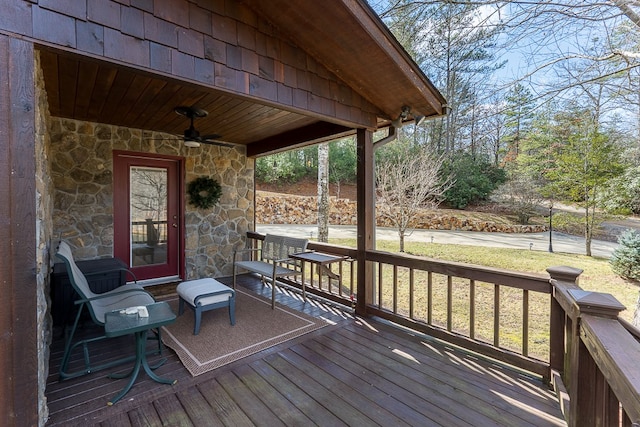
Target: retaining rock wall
(292, 209)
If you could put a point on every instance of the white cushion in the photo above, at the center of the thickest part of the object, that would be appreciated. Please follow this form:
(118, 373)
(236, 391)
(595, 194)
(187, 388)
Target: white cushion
(192, 289)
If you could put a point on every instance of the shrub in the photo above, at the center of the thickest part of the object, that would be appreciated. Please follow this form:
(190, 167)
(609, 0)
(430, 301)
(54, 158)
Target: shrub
(625, 261)
(474, 179)
(570, 223)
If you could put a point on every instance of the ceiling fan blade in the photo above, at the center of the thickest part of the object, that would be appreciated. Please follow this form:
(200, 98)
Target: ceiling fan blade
(212, 136)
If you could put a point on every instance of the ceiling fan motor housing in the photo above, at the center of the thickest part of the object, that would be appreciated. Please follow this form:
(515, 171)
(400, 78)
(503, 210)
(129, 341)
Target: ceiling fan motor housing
(191, 134)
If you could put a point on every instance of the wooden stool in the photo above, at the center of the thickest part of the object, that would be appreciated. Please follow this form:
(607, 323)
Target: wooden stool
(206, 294)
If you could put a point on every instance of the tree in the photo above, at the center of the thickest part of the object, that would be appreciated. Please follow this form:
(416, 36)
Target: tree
(342, 162)
(323, 192)
(408, 180)
(623, 193)
(518, 116)
(521, 196)
(625, 260)
(587, 162)
(447, 39)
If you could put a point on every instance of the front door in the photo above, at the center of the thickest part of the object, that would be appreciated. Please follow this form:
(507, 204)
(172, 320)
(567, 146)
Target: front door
(147, 214)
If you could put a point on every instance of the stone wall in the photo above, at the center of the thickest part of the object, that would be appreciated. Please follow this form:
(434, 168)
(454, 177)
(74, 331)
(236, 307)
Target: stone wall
(44, 231)
(291, 209)
(82, 174)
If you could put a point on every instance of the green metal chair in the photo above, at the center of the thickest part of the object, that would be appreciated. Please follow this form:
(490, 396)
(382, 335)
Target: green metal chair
(125, 296)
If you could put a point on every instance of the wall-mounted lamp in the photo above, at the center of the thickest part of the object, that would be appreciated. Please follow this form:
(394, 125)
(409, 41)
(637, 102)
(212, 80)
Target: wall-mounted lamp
(404, 113)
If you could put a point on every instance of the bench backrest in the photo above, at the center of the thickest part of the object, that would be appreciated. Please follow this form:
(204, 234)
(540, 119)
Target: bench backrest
(276, 247)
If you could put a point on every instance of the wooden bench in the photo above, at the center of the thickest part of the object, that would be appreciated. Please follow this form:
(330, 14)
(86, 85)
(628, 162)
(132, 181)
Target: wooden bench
(272, 260)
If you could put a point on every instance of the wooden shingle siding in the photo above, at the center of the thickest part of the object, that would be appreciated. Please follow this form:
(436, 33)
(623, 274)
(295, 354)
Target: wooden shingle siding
(54, 27)
(74, 8)
(160, 31)
(191, 42)
(104, 12)
(176, 11)
(90, 37)
(130, 19)
(220, 44)
(126, 48)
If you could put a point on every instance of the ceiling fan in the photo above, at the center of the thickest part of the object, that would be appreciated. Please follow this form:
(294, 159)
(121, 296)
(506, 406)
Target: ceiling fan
(192, 137)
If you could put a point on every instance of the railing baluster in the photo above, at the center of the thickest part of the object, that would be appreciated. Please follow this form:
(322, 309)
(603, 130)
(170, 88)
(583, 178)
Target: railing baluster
(449, 301)
(472, 309)
(395, 288)
(525, 322)
(429, 298)
(411, 292)
(379, 285)
(496, 315)
(352, 277)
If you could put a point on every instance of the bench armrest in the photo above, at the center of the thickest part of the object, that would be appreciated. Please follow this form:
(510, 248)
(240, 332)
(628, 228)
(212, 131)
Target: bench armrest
(236, 252)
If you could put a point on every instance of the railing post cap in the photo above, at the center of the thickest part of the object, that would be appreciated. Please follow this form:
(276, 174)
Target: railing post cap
(596, 303)
(565, 273)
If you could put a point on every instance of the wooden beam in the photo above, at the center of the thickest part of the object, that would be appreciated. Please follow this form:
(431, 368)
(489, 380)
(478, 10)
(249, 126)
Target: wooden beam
(366, 218)
(18, 286)
(311, 134)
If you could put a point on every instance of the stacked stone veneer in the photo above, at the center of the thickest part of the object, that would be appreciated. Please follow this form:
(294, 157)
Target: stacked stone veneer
(291, 209)
(82, 174)
(44, 231)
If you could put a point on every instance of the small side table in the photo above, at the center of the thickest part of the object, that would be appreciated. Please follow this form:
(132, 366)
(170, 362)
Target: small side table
(117, 324)
(322, 261)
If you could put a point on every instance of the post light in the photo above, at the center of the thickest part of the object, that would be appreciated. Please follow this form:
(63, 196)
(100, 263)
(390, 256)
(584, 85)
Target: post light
(550, 228)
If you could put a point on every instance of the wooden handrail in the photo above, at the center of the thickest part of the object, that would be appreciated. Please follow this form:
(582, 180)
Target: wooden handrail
(529, 281)
(597, 356)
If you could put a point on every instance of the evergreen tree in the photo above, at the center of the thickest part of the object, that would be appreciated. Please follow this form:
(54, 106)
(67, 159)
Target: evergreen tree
(625, 261)
(585, 165)
(449, 43)
(518, 115)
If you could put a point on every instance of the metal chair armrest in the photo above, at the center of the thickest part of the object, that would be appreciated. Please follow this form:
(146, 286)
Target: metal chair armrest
(107, 295)
(95, 273)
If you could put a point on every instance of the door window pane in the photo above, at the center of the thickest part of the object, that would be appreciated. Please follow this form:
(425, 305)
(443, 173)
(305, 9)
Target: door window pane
(148, 222)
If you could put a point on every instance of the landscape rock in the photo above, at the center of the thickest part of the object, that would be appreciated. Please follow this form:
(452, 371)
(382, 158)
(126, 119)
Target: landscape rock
(274, 208)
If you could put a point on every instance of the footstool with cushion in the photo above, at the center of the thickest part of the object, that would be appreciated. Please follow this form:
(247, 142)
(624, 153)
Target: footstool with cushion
(206, 294)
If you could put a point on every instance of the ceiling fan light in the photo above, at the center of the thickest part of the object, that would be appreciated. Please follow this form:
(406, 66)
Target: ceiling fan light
(192, 144)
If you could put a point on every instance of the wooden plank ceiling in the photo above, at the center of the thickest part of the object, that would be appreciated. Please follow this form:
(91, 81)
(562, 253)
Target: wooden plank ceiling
(100, 92)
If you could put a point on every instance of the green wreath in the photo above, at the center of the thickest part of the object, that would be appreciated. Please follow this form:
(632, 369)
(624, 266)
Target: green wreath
(204, 192)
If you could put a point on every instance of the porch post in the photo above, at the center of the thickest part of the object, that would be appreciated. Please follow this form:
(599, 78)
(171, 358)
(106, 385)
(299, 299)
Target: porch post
(366, 218)
(18, 287)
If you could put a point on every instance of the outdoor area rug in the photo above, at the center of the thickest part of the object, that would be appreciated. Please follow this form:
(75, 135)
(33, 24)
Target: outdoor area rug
(257, 327)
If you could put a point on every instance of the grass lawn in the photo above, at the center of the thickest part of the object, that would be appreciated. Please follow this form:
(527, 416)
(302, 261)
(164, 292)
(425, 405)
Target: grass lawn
(597, 276)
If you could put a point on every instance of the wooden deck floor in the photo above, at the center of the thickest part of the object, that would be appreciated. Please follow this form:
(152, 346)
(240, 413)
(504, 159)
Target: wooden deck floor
(353, 372)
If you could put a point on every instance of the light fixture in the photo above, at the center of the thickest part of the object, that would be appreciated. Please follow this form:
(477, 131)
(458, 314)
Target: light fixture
(191, 144)
(404, 113)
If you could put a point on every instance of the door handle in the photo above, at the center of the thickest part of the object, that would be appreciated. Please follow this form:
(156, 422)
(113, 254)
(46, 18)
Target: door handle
(175, 225)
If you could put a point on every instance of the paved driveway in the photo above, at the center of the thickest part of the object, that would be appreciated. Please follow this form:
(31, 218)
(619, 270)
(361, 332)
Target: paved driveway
(534, 241)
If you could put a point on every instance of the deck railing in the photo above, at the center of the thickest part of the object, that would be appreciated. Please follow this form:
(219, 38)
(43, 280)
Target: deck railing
(149, 232)
(544, 324)
(483, 309)
(595, 356)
